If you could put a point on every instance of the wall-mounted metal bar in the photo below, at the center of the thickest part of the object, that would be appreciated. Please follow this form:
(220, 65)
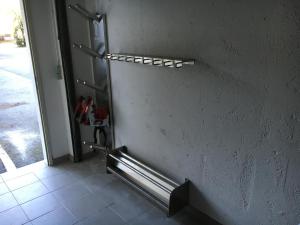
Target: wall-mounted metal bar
(146, 60)
(91, 145)
(87, 50)
(84, 83)
(86, 14)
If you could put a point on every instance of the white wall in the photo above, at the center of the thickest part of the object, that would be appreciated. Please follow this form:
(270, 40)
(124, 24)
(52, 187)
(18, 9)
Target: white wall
(51, 89)
(231, 123)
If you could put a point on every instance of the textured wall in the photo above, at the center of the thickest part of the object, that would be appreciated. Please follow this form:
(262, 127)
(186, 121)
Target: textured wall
(231, 123)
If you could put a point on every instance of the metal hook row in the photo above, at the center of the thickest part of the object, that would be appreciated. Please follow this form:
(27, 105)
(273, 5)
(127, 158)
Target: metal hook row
(146, 60)
(154, 61)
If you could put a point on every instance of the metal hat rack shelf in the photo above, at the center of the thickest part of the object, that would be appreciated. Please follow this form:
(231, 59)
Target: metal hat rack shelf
(168, 194)
(146, 60)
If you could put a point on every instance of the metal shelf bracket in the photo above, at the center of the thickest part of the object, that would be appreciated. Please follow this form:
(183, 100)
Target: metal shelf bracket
(86, 14)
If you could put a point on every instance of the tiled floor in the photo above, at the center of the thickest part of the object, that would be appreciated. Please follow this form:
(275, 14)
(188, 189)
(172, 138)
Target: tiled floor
(81, 194)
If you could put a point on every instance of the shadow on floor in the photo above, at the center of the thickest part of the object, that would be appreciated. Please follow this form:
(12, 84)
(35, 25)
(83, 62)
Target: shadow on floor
(2, 167)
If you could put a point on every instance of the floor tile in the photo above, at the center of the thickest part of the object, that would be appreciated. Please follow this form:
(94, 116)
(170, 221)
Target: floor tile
(72, 192)
(7, 201)
(58, 181)
(3, 188)
(40, 206)
(48, 171)
(38, 165)
(13, 174)
(14, 216)
(21, 181)
(104, 217)
(59, 216)
(191, 216)
(116, 191)
(86, 206)
(97, 181)
(131, 207)
(154, 216)
(30, 192)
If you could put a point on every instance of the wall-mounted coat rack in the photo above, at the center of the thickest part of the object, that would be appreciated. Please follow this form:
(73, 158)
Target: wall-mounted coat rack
(154, 61)
(168, 194)
(146, 60)
(99, 81)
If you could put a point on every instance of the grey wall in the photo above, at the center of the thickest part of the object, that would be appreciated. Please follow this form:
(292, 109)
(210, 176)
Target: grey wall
(231, 123)
(51, 90)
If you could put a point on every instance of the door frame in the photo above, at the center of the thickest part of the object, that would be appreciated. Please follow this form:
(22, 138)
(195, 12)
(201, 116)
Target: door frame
(42, 116)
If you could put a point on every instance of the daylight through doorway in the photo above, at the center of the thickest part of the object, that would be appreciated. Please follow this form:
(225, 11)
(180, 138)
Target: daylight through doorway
(20, 129)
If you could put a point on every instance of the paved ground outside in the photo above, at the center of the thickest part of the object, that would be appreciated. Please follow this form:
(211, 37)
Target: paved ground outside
(19, 128)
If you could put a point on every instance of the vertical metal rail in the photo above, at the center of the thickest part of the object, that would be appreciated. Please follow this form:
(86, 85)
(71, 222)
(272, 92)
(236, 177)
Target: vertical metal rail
(109, 86)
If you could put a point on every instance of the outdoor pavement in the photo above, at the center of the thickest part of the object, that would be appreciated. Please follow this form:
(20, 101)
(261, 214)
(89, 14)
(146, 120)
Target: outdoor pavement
(19, 128)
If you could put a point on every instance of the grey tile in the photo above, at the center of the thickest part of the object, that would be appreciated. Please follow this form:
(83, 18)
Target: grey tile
(7, 201)
(191, 216)
(131, 207)
(86, 206)
(83, 170)
(154, 216)
(14, 174)
(30, 192)
(58, 181)
(14, 216)
(96, 182)
(59, 216)
(48, 171)
(21, 181)
(104, 217)
(3, 188)
(23, 171)
(72, 192)
(116, 191)
(37, 166)
(40, 206)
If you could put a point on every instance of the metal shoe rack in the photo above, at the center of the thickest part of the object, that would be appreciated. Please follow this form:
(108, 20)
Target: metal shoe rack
(168, 194)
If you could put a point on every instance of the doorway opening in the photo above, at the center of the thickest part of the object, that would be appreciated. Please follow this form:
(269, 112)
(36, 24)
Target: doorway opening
(21, 133)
